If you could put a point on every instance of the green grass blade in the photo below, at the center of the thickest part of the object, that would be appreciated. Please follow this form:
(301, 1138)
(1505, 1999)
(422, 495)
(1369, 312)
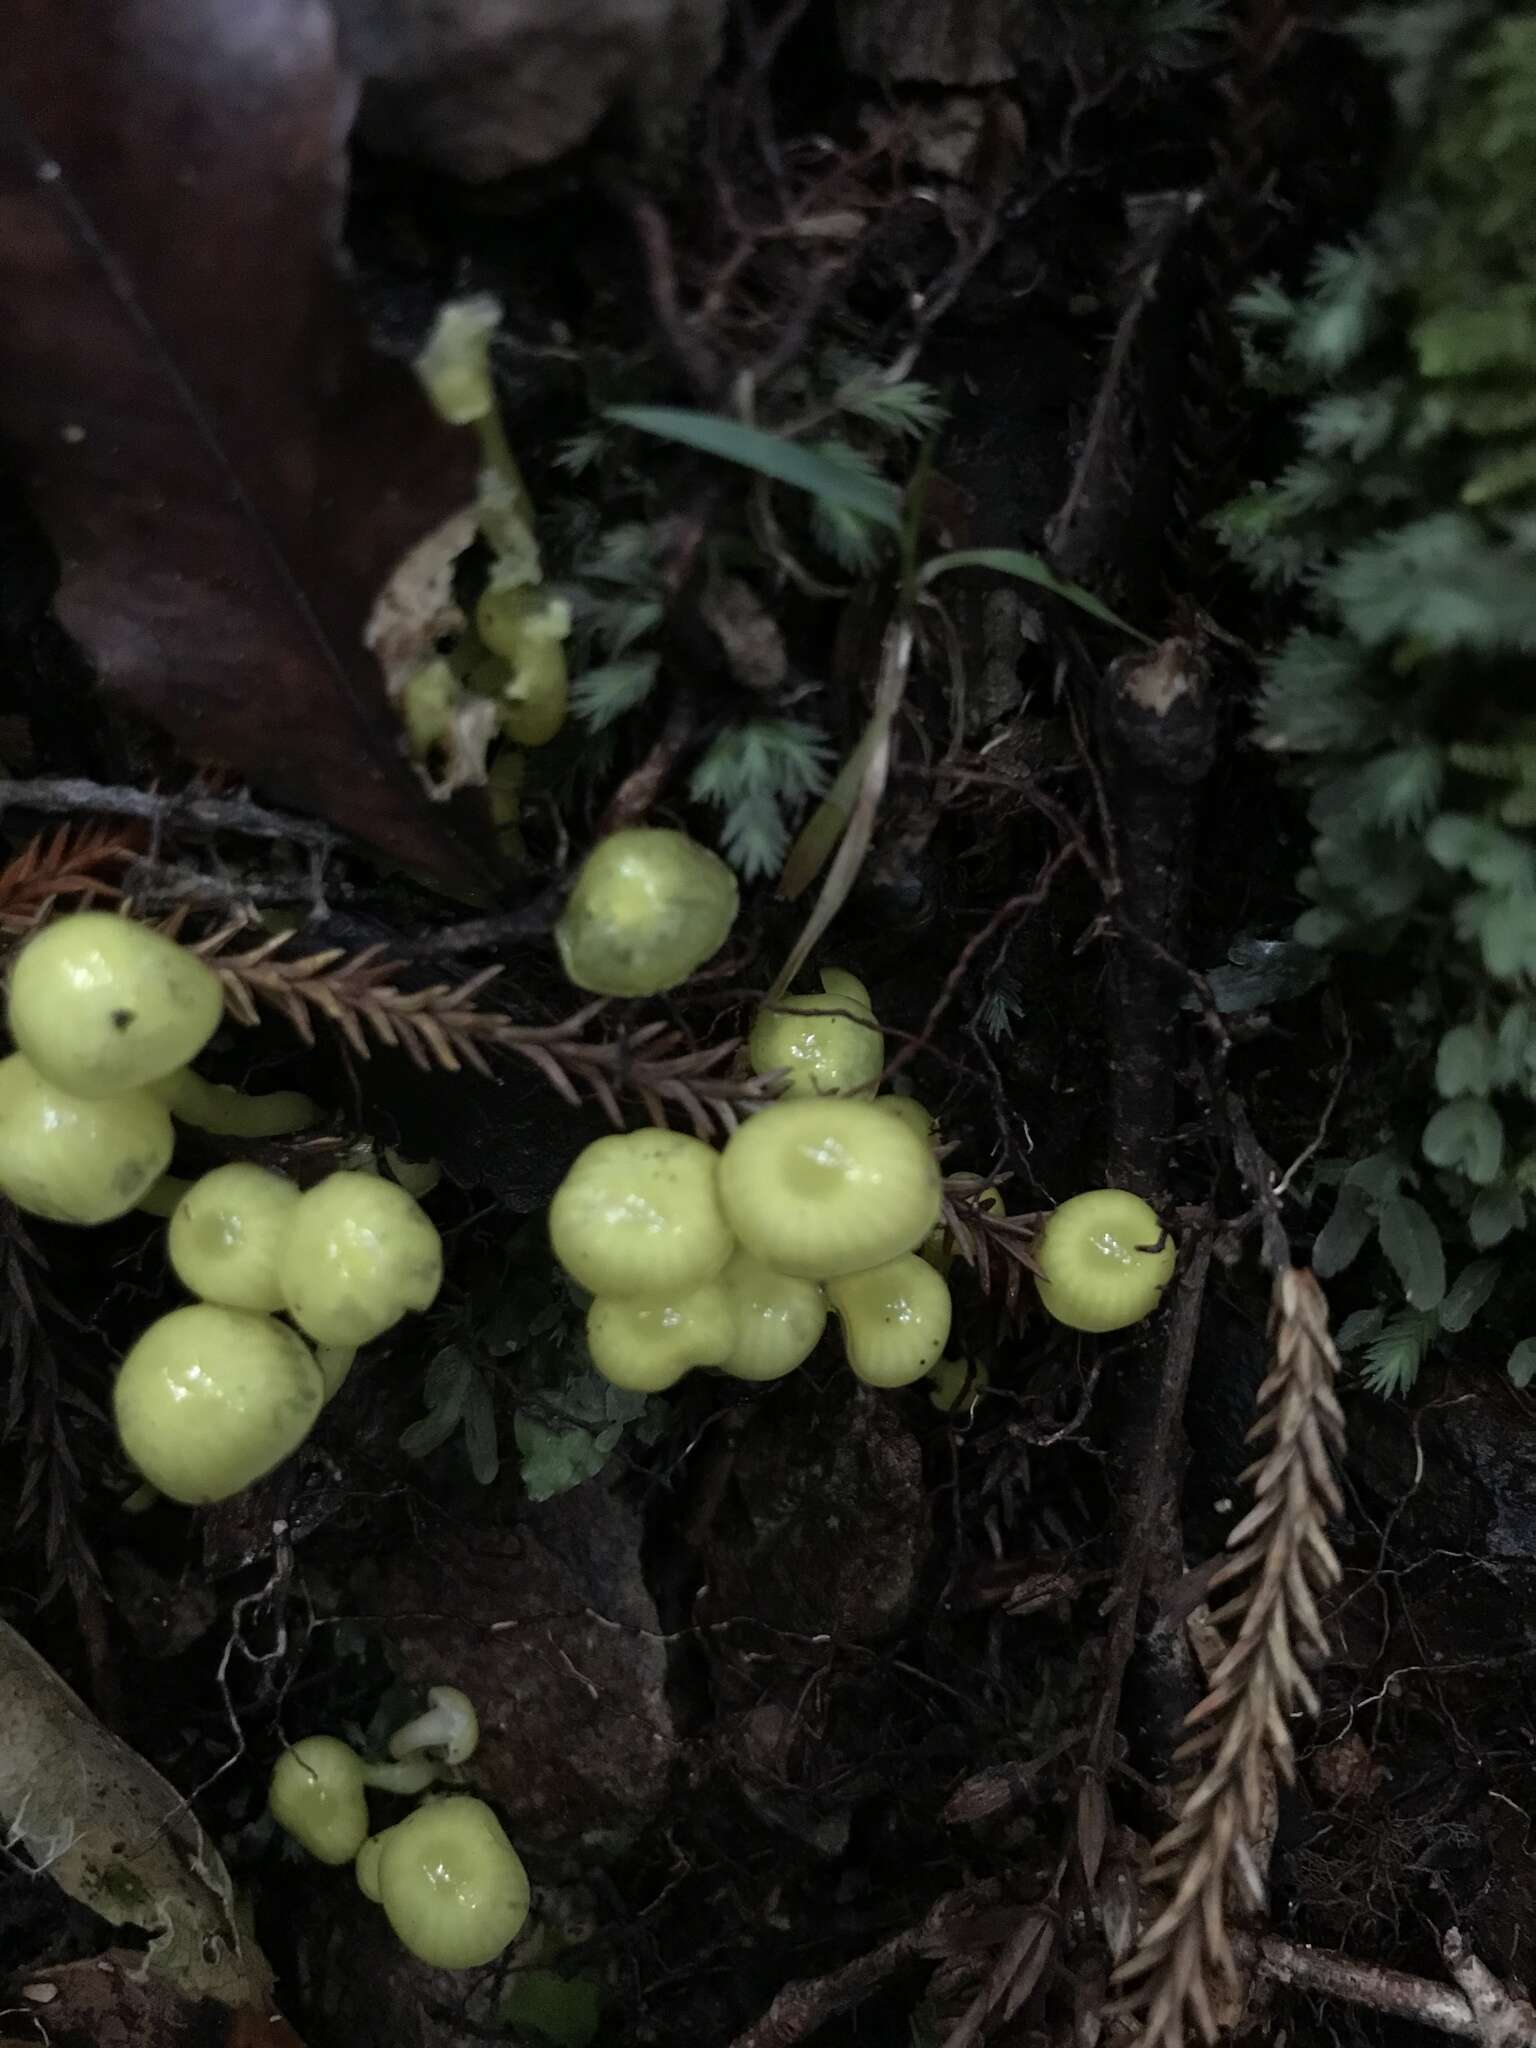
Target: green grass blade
(1029, 568)
(770, 455)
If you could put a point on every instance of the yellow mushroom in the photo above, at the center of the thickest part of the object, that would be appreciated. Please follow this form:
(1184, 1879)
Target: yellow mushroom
(827, 1045)
(210, 1399)
(100, 1004)
(1104, 1260)
(823, 1187)
(649, 906)
(227, 1232)
(452, 1886)
(359, 1252)
(73, 1159)
(316, 1795)
(776, 1319)
(647, 1346)
(638, 1217)
(895, 1320)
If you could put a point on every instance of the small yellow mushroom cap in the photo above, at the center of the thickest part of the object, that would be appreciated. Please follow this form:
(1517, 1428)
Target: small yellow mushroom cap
(638, 1217)
(895, 1320)
(358, 1253)
(1098, 1269)
(366, 1868)
(527, 628)
(452, 1886)
(910, 1112)
(828, 1186)
(829, 1045)
(646, 1346)
(100, 1004)
(226, 1234)
(210, 1399)
(450, 1725)
(316, 1795)
(776, 1319)
(649, 906)
(74, 1160)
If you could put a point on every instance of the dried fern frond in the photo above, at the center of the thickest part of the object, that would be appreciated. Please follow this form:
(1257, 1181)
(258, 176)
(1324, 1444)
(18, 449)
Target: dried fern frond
(36, 1418)
(999, 1249)
(1280, 1560)
(445, 1025)
(74, 860)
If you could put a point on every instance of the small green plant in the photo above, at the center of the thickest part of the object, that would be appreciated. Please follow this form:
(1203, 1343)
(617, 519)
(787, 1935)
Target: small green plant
(1408, 519)
(457, 1395)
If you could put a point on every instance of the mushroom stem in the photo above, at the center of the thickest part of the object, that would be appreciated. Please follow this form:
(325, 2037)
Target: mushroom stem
(225, 1111)
(409, 1777)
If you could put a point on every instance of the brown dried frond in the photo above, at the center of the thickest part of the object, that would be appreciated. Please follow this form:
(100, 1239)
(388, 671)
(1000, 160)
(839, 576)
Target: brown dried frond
(445, 1025)
(36, 1416)
(74, 860)
(1280, 1560)
(999, 1249)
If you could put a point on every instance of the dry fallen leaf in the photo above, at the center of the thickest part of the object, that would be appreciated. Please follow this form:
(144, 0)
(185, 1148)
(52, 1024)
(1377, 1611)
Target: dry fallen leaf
(112, 1833)
(108, 2001)
(230, 475)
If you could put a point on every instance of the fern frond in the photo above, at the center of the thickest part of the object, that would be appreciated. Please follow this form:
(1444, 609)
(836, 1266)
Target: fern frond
(1280, 1560)
(758, 773)
(607, 693)
(444, 1025)
(74, 860)
(37, 1418)
(998, 1249)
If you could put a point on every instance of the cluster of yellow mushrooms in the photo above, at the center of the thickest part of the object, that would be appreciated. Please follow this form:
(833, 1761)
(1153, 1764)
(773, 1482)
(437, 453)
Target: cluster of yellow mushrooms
(451, 1885)
(827, 1199)
(106, 1015)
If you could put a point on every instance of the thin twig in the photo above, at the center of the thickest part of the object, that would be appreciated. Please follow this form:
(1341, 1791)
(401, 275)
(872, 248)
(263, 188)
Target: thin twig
(803, 2008)
(1430, 2004)
(183, 811)
(1006, 914)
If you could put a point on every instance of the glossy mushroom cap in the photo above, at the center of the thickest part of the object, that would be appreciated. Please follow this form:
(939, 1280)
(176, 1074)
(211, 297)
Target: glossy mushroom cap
(646, 1346)
(366, 1867)
(828, 1045)
(826, 1187)
(776, 1319)
(74, 1160)
(649, 906)
(638, 1218)
(1104, 1260)
(909, 1111)
(210, 1399)
(226, 1234)
(453, 1887)
(450, 1725)
(359, 1252)
(100, 1004)
(316, 1795)
(895, 1320)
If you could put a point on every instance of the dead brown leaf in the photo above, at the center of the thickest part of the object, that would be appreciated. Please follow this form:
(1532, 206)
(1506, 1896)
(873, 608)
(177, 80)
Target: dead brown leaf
(110, 2002)
(229, 473)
